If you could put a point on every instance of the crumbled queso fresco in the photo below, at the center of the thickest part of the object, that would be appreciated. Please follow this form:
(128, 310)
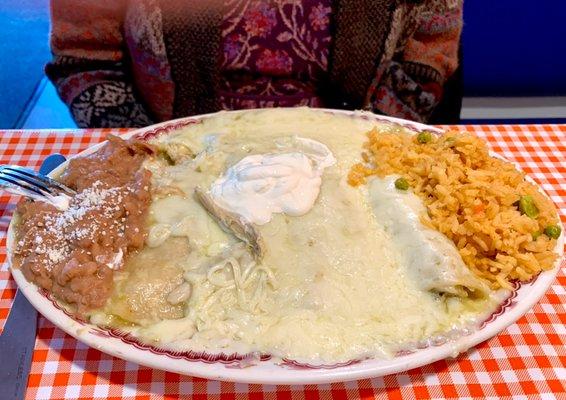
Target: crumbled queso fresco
(78, 222)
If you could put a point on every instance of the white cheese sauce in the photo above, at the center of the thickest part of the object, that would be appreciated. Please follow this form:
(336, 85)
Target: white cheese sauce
(342, 275)
(431, 257)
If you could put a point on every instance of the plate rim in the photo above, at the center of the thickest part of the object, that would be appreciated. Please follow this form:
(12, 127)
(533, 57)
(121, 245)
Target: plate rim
(271, 373)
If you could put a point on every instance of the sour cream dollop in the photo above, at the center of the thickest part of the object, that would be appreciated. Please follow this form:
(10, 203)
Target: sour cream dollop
(261, 185)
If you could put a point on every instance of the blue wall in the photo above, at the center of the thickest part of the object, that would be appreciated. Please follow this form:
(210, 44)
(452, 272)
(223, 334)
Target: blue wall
(24, 25)
(514, 47)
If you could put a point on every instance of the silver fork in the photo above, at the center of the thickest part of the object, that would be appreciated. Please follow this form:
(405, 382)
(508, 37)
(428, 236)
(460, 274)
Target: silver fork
(27, 182)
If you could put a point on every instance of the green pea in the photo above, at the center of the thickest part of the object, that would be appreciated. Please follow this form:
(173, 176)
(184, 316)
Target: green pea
(536, 235)
(553, 231)
(401, 184)
(528, 207)
(450, 141)
(424, 137)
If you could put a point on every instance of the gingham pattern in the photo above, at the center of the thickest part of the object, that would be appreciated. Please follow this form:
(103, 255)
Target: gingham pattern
(527, 360)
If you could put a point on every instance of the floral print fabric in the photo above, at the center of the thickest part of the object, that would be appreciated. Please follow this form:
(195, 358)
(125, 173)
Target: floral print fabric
(274, 52)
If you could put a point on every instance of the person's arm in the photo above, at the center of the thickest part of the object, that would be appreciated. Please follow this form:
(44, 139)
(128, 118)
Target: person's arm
(412, 83)
(88, 64)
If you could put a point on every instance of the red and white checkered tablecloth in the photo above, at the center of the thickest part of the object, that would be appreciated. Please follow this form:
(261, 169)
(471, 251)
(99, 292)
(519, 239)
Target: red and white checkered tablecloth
(527, 360)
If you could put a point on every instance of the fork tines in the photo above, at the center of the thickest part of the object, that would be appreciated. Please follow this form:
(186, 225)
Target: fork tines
(30, 181)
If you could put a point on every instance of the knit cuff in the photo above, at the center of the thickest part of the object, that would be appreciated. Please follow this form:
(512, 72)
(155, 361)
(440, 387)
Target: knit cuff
(109, 105)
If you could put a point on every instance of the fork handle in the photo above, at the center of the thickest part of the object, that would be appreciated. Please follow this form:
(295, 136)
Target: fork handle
(51, 162)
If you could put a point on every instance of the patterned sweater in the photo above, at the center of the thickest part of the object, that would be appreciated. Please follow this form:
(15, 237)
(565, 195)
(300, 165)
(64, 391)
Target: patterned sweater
(133, 63)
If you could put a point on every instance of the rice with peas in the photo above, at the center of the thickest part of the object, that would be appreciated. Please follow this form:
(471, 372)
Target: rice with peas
(471, 197)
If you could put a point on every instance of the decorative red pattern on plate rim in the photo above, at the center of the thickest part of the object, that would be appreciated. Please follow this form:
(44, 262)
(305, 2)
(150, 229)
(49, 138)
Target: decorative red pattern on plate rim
(166, 128)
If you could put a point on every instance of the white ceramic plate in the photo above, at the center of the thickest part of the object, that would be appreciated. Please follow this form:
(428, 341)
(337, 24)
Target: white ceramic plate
(267, 371)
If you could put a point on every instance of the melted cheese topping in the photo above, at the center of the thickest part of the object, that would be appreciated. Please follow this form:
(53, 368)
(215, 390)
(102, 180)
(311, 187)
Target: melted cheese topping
(432, 258)
(335, 283)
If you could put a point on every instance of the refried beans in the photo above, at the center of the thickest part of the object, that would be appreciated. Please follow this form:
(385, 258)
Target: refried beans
(73, 253)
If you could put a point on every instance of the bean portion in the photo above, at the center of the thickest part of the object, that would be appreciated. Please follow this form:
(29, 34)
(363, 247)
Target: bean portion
(73, 253)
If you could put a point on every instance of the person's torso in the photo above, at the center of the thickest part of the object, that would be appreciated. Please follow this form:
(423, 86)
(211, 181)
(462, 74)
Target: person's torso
(269, 52)
(274, 53)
